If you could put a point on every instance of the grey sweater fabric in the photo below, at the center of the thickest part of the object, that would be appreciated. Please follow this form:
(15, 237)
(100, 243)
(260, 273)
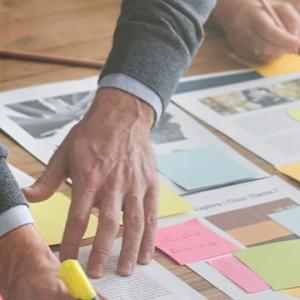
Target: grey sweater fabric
(154, 42)
(10, 193)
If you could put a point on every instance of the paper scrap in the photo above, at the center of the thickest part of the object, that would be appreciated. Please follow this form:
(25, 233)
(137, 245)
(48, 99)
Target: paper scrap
(292, 292)
(192, 241)
(292, 170)
(295, 114)
(285, 64)
(278, 264)
(289, 218)
(50, 217)
(202, 168)
(240, 274)
(170, 203)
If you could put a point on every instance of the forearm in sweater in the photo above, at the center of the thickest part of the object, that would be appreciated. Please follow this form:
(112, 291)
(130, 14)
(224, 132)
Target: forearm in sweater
(154, 41)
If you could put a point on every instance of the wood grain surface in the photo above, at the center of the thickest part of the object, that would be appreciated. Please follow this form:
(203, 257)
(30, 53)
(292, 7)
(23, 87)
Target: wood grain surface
(84, 29)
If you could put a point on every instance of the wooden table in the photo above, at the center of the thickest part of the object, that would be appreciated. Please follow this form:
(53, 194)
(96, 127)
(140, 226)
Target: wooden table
(84, 29)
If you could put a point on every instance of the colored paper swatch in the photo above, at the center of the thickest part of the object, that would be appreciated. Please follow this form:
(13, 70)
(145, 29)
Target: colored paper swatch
(286, 64)
(278, 264)
(202, 168)
(293, 292)
(237, 272)
(292, 170)
(252, 225)
(289, 218)
(170, 203)
(192, 241)
(295, 114)
(50, 217)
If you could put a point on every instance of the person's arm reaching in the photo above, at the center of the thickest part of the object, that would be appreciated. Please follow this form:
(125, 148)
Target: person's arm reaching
(108, 154)
(253, 34)
(28, 269)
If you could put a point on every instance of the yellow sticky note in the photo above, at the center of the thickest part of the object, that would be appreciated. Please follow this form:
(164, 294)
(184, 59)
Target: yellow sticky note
(295, 114)
(285, 64)
(292, 292)
(170, 203)
(50, 217)
(292, 170)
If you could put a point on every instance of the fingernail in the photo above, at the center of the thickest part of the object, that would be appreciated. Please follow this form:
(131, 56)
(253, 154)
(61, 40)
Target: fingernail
(95, 271)
(146, 258)
(126, 268)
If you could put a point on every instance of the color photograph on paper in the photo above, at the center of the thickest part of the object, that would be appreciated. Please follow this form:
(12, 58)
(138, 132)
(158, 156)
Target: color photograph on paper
(254, 99)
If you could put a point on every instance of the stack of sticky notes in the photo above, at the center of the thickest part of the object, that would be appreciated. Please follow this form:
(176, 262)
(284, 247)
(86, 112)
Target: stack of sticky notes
(202, 168)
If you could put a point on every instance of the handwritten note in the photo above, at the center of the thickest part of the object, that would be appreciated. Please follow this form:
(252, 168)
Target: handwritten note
(285, 64)
(192, 241)
(237, 272)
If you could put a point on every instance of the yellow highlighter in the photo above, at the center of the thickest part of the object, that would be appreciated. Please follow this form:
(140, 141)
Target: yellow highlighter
(76, 281)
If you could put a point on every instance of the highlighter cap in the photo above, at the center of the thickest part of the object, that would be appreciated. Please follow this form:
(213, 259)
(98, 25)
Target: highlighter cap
(76, 281)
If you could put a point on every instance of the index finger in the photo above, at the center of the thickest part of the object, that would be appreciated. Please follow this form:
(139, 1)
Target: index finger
(78, 218)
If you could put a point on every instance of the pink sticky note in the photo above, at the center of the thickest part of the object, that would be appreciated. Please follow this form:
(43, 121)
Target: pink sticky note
(1, 297)
(192, 241)
(240, 274)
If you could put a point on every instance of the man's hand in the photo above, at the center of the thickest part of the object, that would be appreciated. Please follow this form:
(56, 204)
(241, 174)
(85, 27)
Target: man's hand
(109, 159)
(28, 268)
(253, 34)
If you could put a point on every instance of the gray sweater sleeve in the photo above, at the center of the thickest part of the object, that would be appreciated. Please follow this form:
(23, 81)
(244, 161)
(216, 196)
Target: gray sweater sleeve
(10, 193)
(155, 40)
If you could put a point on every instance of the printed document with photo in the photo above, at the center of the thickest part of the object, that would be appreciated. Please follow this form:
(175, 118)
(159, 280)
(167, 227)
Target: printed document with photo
(260, 115)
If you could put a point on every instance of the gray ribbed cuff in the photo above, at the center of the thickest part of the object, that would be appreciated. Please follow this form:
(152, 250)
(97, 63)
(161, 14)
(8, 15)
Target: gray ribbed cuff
(10, 193)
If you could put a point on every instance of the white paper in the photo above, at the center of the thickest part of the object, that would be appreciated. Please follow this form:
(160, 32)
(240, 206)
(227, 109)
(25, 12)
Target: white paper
(148, 282)
(40, 117)
(254, 113)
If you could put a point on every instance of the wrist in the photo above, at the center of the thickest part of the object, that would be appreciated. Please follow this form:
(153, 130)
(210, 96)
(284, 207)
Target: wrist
(115, 108)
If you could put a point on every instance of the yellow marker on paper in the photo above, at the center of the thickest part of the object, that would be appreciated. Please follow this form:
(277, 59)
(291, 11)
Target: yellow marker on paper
(76, 281)
(50, 217)
(285, 64)
(292, 170)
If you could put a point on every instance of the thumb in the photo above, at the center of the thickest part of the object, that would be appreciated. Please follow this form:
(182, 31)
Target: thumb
(49, 182)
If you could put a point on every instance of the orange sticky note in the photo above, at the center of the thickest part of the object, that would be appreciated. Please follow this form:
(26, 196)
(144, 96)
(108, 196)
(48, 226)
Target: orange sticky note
(292, 170)
(192, 241)
(285, 64)
(292, 292)
(240, 274)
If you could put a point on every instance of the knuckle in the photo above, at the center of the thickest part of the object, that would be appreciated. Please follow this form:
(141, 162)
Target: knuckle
(136, 220)
(151, 221)
(110, 220)
(77, 219)
(100, 253)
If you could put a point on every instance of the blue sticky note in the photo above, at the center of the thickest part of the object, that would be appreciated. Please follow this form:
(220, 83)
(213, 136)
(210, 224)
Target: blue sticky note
(202, 168)
(289, 218)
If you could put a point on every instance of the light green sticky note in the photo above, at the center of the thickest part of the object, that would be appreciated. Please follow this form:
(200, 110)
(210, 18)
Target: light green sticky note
(278, 264)
(295, 114)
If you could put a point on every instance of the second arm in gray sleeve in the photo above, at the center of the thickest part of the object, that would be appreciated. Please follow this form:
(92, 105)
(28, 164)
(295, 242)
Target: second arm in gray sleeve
(155, 40)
